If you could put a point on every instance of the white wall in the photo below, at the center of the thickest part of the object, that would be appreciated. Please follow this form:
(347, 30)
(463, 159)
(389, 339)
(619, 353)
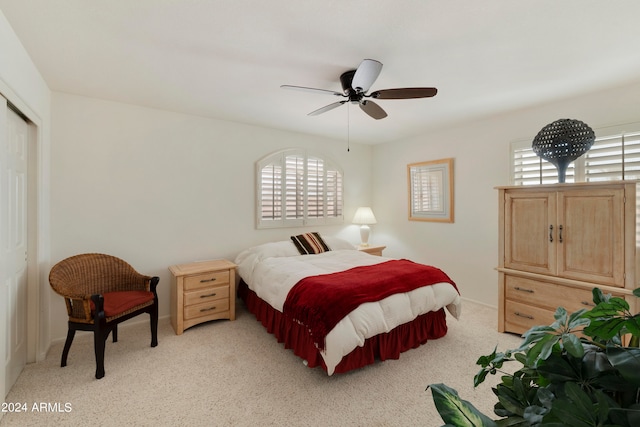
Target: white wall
(23, 86)
(467, 249)
(158, 188)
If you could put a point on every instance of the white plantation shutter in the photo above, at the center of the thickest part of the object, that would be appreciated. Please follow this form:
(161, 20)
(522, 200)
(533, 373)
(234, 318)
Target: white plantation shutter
(428, 189)
(271, 194)
(294, 186)
(315, 188)
(529, 169)
(614, 157)
(334, 194)
(308, 192)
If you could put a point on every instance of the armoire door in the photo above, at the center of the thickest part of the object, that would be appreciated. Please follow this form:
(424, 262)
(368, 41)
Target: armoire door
(529, 235)
(591, 235)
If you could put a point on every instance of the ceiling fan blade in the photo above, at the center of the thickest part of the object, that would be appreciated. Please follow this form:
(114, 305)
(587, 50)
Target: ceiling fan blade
(405, 93)
(326, 108)
(373, 109)
(312, 89)
(366, 73)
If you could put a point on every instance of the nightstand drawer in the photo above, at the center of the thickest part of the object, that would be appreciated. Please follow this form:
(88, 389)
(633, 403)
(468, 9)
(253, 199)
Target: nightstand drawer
(206, 295)
(206, 309)
(206, 280)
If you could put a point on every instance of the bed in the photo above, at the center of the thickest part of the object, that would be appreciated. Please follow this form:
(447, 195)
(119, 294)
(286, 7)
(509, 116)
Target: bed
(292, 289)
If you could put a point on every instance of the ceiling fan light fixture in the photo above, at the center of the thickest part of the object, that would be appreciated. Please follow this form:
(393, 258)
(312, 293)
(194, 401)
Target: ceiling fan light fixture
(366, 73)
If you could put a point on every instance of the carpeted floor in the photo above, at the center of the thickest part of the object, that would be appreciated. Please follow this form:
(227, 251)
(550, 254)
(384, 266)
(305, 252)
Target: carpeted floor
(225, 373)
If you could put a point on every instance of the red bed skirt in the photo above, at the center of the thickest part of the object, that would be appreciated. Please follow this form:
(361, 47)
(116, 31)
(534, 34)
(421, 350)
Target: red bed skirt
(389, 345)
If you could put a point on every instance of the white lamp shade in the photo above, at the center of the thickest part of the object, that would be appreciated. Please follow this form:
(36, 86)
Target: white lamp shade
(364, 215)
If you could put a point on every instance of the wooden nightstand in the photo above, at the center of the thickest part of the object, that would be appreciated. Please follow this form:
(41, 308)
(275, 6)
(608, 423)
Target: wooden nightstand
(373, 250)
(202, 291)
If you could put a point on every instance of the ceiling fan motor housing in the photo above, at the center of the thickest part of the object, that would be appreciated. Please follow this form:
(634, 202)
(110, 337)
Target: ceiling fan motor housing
(346, 80)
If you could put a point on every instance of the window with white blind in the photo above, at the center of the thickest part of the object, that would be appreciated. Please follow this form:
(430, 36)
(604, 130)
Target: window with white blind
(296, 188)
(612, 157)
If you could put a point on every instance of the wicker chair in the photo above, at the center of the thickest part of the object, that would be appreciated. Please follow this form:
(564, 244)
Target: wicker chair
(100, 292)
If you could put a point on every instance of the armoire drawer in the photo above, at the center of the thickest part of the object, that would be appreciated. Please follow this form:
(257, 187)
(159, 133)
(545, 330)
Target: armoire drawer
(547, 295)
(519, 317)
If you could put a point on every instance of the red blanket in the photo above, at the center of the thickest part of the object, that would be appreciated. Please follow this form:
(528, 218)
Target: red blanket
(320, 302)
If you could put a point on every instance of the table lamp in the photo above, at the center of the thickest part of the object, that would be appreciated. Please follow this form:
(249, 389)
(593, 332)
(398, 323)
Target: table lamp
(364, 216)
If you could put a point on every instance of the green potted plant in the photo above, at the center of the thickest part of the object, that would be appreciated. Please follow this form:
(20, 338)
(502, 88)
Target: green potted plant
(583, 370)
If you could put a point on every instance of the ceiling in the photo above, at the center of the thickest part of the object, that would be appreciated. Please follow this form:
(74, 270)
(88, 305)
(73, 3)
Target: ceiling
(227, 59)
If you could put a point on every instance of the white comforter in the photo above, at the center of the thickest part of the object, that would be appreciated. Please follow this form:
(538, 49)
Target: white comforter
(271, 270)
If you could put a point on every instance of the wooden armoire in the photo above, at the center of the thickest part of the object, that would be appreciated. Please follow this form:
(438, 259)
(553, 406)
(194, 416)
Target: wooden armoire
(557, 242)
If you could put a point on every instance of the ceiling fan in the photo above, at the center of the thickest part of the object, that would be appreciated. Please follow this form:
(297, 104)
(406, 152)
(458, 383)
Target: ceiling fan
(355, 85)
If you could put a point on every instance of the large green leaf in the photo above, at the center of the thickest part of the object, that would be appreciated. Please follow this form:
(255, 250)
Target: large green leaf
(558, 370)
(576, 409)
(627, 361)
(455, 411)
(533, 335)
(542, 349)
(561, 316)
(633, 325)
(572, 344)
(633, 415)
(605, 329)
(612, 307)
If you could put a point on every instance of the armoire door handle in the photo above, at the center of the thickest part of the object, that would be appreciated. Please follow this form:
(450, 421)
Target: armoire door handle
(551, 232)
(560, 233)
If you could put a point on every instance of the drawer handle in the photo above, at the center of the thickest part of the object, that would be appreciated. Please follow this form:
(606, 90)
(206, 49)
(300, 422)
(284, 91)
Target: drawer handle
(526, 316)
(207, 309)
(208, 295)
(518, 288)
(208, 280)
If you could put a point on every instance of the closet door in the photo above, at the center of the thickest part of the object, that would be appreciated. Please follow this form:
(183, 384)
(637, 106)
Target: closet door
(591, 235)
(529, 235)
(13, 237)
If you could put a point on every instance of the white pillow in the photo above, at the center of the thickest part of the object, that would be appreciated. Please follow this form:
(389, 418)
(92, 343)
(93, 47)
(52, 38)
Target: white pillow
(336, 243)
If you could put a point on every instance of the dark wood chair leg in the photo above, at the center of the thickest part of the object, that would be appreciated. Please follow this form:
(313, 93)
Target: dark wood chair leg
(115, 333)
(99, 340)
(67, 345)
(154, 325)
(154, 312)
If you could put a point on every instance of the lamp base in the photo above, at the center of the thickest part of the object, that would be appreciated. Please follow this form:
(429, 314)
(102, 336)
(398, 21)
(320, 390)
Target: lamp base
(364, 235)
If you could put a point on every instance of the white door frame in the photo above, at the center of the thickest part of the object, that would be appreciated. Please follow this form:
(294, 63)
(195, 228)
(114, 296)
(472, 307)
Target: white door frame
(38, 329)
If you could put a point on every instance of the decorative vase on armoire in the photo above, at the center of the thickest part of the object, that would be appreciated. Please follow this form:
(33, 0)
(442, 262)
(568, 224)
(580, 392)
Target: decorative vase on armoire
(563, 141)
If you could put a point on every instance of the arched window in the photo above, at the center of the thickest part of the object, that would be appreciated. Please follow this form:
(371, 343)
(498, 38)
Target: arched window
(296, 188)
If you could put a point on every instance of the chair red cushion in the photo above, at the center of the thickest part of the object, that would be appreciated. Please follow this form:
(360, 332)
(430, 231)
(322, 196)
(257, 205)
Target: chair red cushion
(119, 302)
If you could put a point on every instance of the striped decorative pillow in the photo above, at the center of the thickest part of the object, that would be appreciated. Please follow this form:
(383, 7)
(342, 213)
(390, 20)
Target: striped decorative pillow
(310, 243)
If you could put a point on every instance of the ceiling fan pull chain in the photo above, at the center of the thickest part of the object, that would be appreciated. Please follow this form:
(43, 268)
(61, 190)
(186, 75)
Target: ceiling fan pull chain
(348, 121)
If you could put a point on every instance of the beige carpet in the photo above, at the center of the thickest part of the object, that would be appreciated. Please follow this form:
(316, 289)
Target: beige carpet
(226, 373)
